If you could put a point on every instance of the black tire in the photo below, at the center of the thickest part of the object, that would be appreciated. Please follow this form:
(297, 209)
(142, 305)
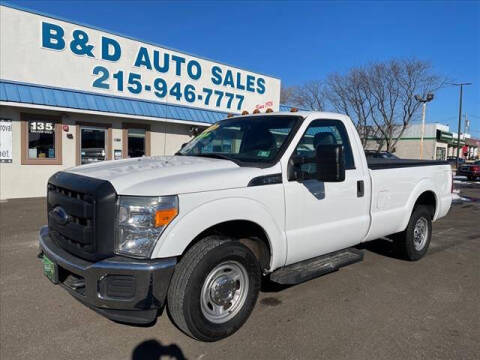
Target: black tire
(470, 178)
(404, 242)
(184, 294)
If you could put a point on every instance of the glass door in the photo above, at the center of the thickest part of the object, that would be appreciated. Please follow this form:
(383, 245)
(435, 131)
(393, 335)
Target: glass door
(441, 154)
(92, 144)
(136, 143)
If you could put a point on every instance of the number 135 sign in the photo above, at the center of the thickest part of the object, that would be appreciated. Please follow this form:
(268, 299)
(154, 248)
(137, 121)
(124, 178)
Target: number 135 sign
(42, 127)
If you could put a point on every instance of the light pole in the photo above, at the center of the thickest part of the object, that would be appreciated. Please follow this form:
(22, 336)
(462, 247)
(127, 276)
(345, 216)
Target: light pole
(424, 101)
(459, 120)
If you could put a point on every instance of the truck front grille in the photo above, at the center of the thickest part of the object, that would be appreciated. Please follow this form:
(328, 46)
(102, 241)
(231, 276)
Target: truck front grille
(78, 231)
(81, 213)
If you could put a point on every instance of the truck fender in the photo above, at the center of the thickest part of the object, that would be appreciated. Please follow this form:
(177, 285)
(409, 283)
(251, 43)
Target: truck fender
(185, 228)
(423, 186)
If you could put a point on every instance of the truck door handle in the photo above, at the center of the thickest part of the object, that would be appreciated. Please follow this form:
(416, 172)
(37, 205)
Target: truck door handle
(360, 188)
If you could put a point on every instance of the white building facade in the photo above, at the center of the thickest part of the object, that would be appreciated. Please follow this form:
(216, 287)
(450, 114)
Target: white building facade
(71, 94)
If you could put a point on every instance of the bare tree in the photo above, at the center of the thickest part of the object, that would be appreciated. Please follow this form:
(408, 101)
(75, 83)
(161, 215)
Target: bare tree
(309, 96)
(380, 97)
(348, 94)
(287, 95)
(391, 88)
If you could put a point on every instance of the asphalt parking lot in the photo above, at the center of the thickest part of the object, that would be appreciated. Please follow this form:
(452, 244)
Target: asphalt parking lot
(381, 308)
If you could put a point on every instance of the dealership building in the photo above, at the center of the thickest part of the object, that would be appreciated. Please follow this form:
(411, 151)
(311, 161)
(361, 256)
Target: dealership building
(436, 143)
(72, 94)
(433, 145)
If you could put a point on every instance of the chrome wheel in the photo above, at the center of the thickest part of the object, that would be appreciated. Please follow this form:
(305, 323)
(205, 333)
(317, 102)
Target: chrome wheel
(224, 292)
(420, 234)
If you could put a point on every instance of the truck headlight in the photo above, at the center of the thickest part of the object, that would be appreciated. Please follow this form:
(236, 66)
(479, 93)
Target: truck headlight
(140, 221)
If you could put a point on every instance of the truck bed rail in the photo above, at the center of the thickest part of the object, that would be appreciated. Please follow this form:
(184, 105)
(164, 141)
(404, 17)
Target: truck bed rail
(378, 164)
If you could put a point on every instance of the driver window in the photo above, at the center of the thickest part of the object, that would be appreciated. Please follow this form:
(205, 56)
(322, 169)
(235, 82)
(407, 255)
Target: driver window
(324, 132)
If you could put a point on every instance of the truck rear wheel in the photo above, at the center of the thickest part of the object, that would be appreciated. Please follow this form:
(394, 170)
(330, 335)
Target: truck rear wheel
(214, 288)
(412, 243)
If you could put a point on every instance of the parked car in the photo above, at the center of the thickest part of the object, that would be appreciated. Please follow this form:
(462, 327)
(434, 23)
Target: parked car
(471, 171)
(372, 154)
(288, 198)
(452, 160)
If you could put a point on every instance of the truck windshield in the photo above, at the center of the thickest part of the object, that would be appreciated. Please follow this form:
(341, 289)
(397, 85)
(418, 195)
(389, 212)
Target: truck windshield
(247, 139)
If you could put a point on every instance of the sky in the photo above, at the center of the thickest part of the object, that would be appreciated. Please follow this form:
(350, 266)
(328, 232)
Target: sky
(299, 41)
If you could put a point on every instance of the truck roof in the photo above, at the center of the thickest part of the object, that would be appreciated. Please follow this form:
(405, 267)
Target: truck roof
(304, 114)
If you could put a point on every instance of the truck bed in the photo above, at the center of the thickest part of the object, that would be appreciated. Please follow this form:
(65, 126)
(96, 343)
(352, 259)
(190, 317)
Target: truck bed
(377, 164)
(397, 184)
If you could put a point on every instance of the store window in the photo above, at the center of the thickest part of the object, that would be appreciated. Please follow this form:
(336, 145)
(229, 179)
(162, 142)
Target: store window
(93, 142)
(41, 140)
(136, 141)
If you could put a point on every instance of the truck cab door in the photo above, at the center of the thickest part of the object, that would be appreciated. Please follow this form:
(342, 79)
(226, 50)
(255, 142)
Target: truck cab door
(322, 217)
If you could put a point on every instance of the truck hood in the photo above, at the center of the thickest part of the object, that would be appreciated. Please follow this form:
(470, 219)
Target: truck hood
(168, 175)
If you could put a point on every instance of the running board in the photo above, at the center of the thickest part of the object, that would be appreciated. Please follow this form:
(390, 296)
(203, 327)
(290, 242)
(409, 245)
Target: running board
(315, 267)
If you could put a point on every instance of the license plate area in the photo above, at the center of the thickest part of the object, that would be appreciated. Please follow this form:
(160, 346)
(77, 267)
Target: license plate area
(50, 269)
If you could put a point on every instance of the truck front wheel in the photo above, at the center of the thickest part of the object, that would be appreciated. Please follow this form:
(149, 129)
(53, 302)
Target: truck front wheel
(412, 243)
(214, 288)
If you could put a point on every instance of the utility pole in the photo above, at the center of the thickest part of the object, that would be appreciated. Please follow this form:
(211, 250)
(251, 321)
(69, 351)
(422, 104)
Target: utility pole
(459, 119)
(423, 129)
(466, 131)
(424, 101)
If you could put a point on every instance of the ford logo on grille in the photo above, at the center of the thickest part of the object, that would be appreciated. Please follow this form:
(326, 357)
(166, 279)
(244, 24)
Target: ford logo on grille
(60, 215)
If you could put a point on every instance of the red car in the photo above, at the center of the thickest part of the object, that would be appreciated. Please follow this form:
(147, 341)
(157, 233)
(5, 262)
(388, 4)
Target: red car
(471, 171)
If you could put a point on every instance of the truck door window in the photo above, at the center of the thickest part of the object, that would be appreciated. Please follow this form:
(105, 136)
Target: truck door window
(324, 132)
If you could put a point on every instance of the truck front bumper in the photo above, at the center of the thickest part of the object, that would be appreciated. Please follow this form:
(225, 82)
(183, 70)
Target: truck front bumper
(121, 289)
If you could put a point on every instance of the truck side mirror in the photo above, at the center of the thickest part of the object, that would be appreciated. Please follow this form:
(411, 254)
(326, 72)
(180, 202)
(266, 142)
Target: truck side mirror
(330, 163)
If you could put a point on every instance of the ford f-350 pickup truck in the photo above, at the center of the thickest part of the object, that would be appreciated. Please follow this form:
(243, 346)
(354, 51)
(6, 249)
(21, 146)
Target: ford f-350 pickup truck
(286, 196)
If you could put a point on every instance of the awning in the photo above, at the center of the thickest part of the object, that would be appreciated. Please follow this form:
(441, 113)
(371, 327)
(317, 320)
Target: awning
(444, 136)
(454, 142)
(40, 95)
(472, 142)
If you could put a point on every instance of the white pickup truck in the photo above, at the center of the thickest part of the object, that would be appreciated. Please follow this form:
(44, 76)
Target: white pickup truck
(283, 196)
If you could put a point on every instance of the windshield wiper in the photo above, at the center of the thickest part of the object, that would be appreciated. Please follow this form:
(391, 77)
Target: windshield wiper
(215, 156)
